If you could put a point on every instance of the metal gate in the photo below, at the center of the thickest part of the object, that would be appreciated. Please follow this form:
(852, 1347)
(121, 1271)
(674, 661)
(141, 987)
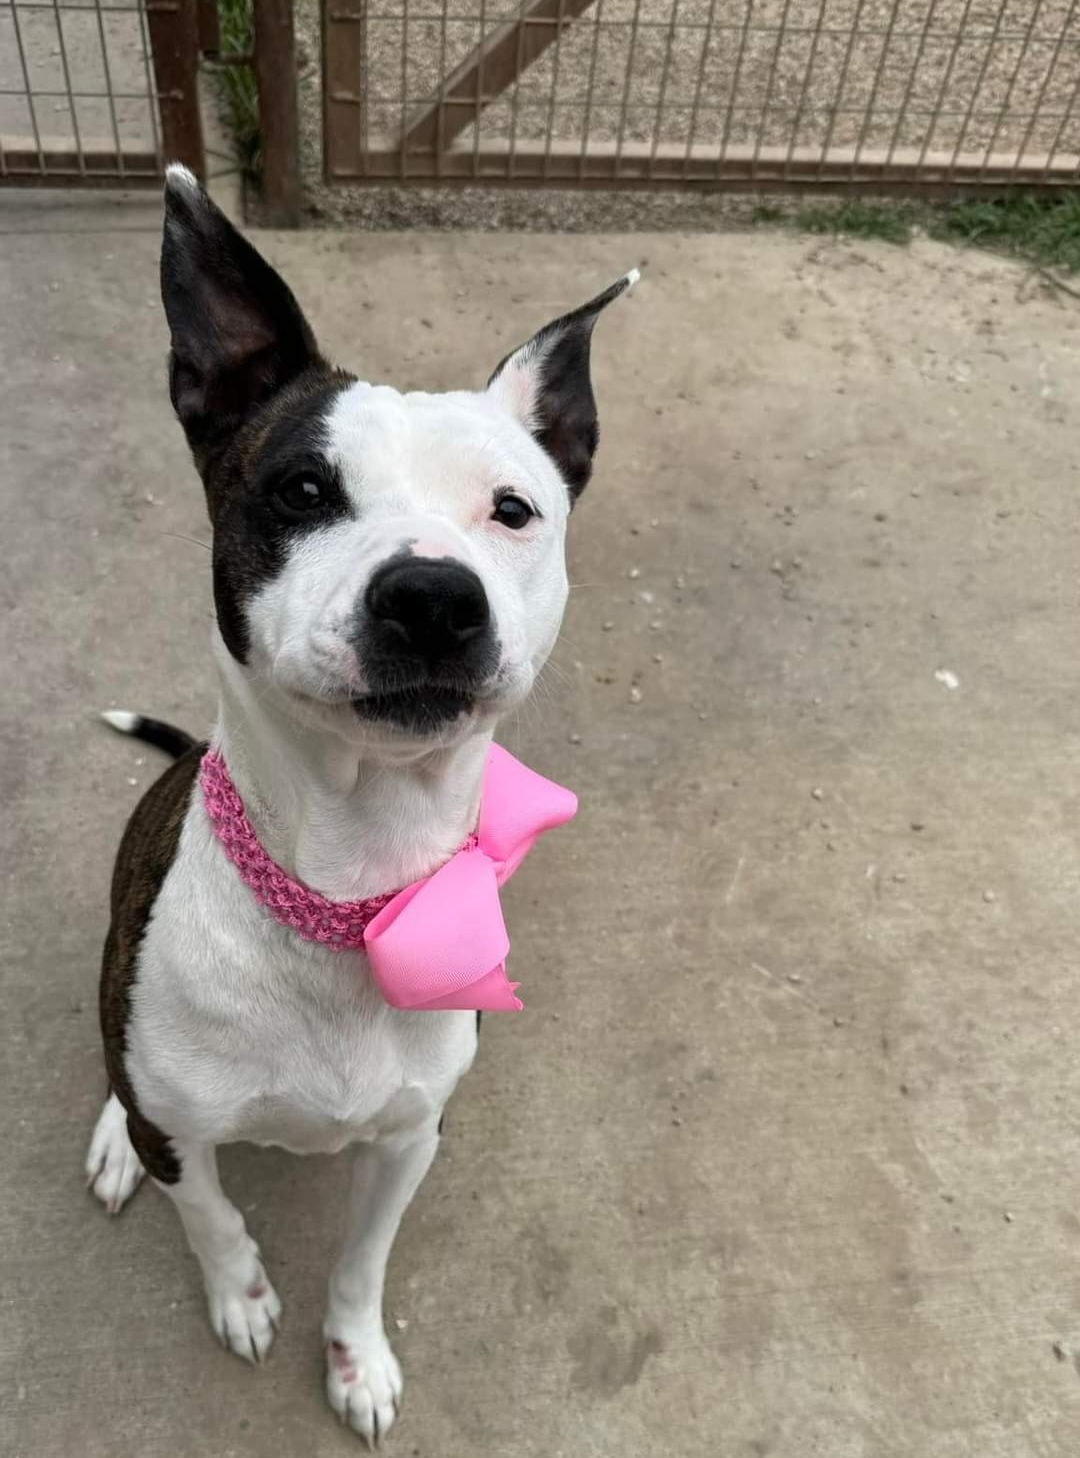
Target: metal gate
(98, 92)
(921, 95)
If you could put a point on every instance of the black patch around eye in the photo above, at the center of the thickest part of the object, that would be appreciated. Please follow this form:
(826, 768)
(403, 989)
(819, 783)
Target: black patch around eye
(300, 490)
(299, 498)
(286, 443)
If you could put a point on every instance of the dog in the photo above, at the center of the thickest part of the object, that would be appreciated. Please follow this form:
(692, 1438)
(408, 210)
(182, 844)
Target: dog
(389, 577)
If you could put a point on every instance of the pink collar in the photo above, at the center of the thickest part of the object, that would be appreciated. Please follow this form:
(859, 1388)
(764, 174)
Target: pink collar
(439, 943)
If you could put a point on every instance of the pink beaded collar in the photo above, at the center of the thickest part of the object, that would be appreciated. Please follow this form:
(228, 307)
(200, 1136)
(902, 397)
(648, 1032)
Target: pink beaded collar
(439, 943)
(318, 919)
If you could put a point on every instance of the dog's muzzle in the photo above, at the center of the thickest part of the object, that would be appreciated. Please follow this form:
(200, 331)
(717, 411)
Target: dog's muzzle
(425, 640)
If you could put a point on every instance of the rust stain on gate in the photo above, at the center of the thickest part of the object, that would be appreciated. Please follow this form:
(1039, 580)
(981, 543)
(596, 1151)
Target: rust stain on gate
(911, 95)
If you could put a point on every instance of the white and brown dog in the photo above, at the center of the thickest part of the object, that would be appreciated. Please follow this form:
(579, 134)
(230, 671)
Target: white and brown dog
(388, 577)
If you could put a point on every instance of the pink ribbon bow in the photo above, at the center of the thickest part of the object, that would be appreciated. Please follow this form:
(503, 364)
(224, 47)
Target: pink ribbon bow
(442, 942)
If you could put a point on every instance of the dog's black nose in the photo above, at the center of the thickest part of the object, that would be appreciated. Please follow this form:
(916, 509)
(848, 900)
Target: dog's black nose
(433, 607)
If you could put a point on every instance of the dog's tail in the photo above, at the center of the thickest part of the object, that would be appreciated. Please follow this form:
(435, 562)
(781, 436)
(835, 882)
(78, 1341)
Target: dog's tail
(151, 731)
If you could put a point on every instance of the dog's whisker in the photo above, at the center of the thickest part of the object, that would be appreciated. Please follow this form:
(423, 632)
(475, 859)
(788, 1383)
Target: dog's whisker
(566, 641)
(183, 537)
(555, 669)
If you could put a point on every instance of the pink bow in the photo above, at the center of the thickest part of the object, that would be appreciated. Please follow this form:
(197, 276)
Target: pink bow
(442, 942)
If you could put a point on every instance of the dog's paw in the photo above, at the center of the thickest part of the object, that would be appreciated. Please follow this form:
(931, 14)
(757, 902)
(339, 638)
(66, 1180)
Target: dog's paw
(113, 1169)
(244, 1310)
(363, 1384)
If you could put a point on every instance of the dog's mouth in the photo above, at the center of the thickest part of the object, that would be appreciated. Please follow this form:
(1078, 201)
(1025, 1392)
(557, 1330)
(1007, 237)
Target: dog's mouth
(421, 709)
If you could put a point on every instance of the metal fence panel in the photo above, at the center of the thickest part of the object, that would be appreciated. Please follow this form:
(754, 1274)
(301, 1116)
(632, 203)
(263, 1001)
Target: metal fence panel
(97, 92)
(918, 94)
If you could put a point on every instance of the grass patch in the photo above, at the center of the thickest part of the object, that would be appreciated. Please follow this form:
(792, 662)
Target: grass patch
(891, 222)
(1040, 230)
(235, 85)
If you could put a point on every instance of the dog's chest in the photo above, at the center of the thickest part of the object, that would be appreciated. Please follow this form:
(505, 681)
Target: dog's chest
(242, 1031)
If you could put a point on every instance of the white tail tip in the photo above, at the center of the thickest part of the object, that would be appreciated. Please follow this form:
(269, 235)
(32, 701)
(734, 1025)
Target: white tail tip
(122, 720)
(632, 277)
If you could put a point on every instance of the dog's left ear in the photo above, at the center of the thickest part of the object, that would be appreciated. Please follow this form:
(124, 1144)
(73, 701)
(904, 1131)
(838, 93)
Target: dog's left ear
(547, 386)
(238, 335)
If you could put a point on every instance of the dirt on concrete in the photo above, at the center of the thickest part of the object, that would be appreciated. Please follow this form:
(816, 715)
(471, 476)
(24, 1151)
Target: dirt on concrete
(784, 1156)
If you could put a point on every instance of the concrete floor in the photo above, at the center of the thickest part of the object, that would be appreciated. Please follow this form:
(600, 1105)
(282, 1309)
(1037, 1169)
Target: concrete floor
(784, 1157)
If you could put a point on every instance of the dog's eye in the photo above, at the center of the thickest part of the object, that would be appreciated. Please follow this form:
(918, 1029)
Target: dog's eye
(512, 512)
(298, 497)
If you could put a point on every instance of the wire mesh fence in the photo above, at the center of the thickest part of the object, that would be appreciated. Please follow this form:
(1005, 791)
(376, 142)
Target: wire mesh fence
(882, 93)
(94, 91)
(876, 93)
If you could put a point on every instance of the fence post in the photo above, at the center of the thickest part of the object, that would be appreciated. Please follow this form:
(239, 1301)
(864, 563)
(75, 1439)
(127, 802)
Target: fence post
(275, 75)
(209, 27)
(174, 46)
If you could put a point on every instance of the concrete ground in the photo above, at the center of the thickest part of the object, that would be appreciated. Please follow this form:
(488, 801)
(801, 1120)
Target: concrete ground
(784, 1156)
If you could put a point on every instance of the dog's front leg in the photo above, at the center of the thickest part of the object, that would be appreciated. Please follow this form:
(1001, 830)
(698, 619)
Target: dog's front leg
(363, 1379)
(244, 1307)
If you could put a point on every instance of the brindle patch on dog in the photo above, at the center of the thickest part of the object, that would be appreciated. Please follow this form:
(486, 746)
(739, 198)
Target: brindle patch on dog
(146, 852)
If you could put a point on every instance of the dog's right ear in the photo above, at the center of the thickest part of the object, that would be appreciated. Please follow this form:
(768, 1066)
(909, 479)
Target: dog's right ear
(238, 335)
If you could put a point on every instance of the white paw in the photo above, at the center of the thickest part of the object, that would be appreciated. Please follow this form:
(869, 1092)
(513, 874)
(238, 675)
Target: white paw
(112, 1166)
(363, 1384)
(244, 1309)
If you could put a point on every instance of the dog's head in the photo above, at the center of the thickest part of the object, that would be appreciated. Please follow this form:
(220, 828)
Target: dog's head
(388, 566)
